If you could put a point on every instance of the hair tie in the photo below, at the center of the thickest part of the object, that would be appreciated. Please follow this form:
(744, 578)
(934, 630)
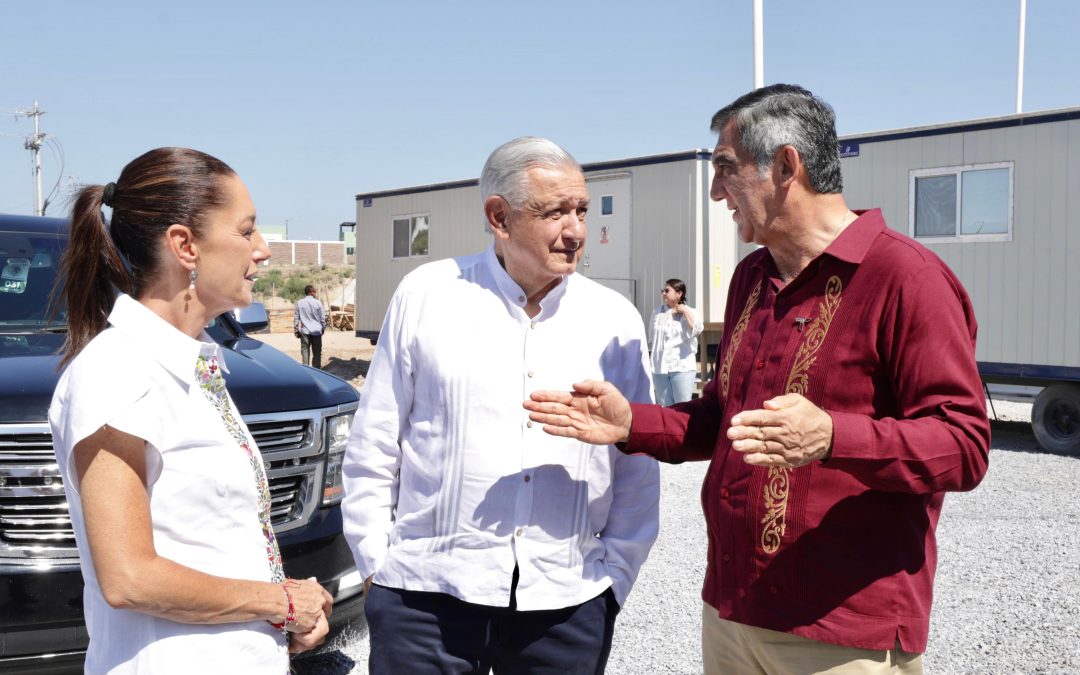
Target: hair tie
(108, 193)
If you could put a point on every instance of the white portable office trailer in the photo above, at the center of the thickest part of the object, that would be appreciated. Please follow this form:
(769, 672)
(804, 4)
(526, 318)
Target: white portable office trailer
(650, 219)
(999, 200)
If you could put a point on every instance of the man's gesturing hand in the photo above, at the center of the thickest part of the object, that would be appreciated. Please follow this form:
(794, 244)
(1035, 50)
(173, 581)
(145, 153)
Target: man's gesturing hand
(594, 412)
(790, 431)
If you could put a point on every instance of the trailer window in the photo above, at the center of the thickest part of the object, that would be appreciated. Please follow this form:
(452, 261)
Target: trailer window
(607, 205)
(410, 236)
(972, 202)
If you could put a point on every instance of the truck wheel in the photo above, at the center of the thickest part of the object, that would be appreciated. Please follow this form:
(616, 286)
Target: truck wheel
(1055, 418)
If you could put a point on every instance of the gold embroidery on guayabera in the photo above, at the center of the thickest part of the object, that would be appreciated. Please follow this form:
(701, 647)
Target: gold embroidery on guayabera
(815, 337)
(775, 520)
(736, 338)
(779, 483)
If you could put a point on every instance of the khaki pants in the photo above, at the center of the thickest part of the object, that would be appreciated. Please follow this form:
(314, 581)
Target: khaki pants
(730, 648)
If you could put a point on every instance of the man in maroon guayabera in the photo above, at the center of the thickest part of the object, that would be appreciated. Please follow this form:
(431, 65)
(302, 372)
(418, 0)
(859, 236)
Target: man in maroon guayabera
(846, 404)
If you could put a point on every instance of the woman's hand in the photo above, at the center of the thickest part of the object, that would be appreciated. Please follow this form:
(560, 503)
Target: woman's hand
(684, 310)
(302, 642)
(311, 603)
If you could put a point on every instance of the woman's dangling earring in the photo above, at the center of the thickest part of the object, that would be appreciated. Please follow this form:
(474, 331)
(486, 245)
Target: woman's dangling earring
(191, 284)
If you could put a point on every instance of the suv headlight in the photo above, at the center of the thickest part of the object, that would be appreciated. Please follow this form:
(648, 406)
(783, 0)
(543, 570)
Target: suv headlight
(337, 437)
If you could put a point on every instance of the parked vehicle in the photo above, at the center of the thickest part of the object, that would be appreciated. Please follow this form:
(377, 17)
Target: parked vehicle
(300, 418)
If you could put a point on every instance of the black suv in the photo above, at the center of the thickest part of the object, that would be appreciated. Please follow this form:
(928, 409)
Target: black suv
(299, 416)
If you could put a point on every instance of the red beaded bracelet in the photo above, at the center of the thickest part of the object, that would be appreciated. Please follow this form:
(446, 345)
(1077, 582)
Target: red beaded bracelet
(290, 616)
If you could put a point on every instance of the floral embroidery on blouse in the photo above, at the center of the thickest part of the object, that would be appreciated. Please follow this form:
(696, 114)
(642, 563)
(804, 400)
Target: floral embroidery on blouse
(208, 375)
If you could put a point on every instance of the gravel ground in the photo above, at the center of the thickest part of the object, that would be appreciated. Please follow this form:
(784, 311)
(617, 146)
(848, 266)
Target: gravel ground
(1008, 584)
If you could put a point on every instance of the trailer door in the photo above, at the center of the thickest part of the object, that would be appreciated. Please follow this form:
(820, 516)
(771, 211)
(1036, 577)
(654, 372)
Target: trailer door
(607, 244)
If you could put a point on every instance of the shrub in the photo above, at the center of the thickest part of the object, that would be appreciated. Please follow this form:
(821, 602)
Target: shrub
(288, 282)
(267, 281)
(294, 288)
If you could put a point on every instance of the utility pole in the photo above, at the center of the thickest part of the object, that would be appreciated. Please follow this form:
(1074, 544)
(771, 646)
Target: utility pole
(33, 144)
(1020, 59)
(759, 45)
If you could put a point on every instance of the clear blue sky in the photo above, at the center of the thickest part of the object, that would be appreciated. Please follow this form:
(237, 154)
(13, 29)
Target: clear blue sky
(313, 103)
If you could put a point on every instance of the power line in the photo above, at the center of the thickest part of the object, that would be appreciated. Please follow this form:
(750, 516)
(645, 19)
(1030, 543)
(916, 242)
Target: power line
(58, 151)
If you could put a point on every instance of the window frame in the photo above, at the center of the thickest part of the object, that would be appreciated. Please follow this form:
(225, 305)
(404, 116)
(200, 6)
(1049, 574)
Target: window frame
(958, 171)
(410, 217)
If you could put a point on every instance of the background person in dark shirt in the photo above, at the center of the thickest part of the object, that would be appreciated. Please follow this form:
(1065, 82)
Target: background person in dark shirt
(846, 403)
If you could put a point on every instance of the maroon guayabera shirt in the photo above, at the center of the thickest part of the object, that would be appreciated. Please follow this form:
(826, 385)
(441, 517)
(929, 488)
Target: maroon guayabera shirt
(879, 333)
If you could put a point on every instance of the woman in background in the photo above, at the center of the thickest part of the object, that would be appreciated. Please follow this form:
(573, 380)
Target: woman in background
(166, 488)
(673, 335)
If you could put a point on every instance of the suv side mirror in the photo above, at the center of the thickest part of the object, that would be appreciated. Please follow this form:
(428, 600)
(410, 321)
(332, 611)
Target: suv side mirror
(252, 318)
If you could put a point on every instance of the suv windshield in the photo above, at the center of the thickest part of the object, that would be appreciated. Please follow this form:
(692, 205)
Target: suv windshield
(29, 264)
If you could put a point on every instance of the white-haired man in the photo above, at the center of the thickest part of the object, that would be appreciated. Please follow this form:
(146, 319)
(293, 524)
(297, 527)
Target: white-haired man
(487, 544)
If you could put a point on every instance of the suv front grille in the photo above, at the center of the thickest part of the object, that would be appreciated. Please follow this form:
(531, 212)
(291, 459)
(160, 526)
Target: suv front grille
(292, 457)
(20, 447)
(34, 517)
(281, 435)
(33, 511)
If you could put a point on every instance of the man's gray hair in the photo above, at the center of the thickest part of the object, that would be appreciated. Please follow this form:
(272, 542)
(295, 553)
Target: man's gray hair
(786, 114)
(505, 170)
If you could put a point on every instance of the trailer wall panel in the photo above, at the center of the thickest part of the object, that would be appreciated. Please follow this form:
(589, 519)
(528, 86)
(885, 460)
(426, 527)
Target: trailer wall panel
(665, 234)
(1070, 278)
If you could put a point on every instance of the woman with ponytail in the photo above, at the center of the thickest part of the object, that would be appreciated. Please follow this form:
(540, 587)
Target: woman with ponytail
(167, 491)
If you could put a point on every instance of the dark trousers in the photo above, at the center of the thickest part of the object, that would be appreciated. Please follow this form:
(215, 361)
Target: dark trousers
(422, 633)
(312, 344)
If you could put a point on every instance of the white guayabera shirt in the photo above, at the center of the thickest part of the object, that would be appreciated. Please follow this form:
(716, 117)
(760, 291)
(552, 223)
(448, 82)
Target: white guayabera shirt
(139, 377)
(448, 485)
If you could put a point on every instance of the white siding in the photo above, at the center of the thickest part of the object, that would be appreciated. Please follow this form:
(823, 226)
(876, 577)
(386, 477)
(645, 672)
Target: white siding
(1070, 280)
(666, 231)
(725, 251)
